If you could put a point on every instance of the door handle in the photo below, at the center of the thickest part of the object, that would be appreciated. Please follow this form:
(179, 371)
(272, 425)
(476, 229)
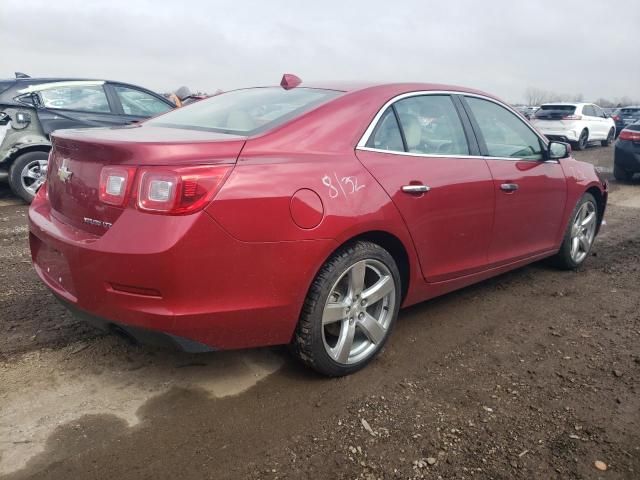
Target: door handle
(415, 188)
(509, 187)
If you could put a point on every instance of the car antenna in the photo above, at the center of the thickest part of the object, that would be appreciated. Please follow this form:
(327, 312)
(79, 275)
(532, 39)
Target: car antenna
(289, 80)
(22, 75)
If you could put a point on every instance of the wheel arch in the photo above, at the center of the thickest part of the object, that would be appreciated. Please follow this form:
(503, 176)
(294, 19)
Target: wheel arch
(600, 202)
(392, 244)
(15, 153)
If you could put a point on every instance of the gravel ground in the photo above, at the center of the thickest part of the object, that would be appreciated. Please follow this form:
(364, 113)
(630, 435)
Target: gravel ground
(533, 374)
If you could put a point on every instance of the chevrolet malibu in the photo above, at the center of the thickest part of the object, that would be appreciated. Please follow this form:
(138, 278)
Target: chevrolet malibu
(303, 215)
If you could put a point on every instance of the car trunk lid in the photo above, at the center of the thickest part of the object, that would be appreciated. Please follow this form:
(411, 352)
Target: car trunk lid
(78, 156)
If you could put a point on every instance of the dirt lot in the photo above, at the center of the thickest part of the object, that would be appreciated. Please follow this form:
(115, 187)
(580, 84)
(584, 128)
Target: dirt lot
(534, 374)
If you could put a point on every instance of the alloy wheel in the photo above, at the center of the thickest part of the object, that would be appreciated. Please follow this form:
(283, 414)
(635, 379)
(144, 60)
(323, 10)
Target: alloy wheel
(583, 140)
(358, 312)
(583, 231)
(33, 175)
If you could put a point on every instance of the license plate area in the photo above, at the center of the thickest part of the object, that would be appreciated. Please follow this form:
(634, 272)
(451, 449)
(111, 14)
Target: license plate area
(54, 266)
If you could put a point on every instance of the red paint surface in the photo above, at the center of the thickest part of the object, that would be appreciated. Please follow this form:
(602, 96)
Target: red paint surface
(236, 273)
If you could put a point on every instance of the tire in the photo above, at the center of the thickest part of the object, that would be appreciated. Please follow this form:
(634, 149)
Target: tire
(610, 136)
(336, 297)
(566, 259)
(583, 141)
(27, 173)
(621, 174)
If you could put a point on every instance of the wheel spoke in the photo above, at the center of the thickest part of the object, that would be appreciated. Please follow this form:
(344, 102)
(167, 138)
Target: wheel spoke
(584, 243)
(575, 244)
(378, 291)
(31, 172)
(343, 348)
(333, 312)
(588, 219)
(372, 329)
(356, 278)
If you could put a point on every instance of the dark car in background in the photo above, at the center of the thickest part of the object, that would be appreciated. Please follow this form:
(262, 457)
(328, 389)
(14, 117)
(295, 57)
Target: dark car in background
(626, 158)
(626, 116)
(32, 108)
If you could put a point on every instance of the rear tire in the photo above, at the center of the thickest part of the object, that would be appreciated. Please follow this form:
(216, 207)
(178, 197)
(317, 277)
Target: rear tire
(27, 174)
(579, 236)
(583, 140)
(350, 310)
(610, 136)
(621, 174)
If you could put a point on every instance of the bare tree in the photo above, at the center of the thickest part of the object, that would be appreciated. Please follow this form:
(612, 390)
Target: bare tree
(535, 96)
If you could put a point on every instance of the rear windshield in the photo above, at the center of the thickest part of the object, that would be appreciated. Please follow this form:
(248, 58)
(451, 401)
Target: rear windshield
(559, 108)
(5, 84)
(553, 111)
(634, 112)
(245, 112)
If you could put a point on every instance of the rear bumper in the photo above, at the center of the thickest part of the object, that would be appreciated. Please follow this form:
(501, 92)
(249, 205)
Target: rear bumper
(627, 156)
(182, 276)
(561, 135)
(137, 334)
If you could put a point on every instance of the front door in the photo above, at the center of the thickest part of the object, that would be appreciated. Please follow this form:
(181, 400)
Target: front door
(530, 190)
(420, 155)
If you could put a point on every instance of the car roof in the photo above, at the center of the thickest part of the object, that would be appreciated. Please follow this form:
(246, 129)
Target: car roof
(391, 89)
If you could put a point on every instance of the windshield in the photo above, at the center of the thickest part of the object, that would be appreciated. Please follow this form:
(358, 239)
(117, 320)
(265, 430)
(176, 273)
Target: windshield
(245, 112)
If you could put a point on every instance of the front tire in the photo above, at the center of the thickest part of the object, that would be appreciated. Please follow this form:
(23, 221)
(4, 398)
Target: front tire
(350, 310)
(583, 140)
(579, 236)
(27, 173)
(609, 139)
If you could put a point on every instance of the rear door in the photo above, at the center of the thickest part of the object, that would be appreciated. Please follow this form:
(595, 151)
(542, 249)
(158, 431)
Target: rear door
(530, 190)
(427, 160)
(593, 122)
(75, 105)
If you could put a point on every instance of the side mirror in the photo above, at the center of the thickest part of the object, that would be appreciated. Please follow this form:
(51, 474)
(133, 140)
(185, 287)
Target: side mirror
(558, 150)
(4, 118)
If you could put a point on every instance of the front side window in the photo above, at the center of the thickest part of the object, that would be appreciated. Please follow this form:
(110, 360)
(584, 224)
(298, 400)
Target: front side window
(139, 103)
(505, 134)
(246, 112)
(431, 125)
(85, 98)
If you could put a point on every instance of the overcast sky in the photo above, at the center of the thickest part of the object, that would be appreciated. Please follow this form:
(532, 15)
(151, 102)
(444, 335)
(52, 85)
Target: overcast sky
(500, 46)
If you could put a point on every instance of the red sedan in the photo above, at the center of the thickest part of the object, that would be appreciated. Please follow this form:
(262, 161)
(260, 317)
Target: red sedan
(303, 215)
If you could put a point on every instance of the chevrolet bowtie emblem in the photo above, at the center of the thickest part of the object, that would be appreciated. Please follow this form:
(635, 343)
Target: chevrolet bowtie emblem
(64, 174)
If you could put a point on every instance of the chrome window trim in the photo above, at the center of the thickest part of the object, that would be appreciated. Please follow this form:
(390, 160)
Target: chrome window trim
(361, 145)
(429, 155)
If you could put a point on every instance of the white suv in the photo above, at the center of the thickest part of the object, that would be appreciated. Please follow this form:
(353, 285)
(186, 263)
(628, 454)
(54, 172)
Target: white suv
(577, 123)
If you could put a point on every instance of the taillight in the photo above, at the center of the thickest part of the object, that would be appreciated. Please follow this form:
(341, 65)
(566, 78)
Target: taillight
(180, 190)
(115, 184)
(631, 135)
(616, 118)
(572, 117)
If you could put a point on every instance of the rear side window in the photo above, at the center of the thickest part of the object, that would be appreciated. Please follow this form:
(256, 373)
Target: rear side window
(85, 98)
(246, 112)
(138, 103)
(386, 135)
(589, 111)
(431, 125)
(505, 134)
